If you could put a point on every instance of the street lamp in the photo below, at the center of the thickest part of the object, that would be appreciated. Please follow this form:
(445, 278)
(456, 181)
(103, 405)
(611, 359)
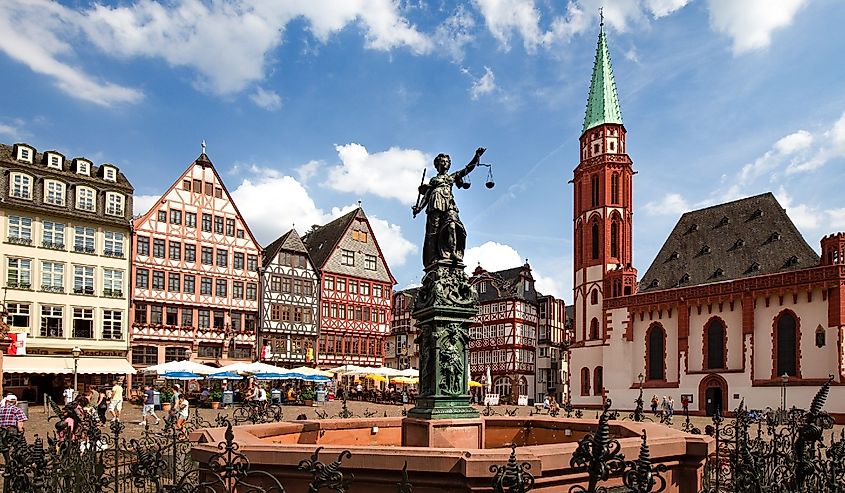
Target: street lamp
(783, 380)
(638, 412)
(75, 352)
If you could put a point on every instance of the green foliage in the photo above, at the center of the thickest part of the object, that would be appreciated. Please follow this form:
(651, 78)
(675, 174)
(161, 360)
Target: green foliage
(307, 393)
(216, 395)
(167, 395)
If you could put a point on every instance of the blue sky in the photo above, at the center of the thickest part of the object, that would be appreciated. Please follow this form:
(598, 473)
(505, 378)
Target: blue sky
(308, 107)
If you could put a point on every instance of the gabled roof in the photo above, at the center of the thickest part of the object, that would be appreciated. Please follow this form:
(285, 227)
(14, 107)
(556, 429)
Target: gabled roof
(505, 284)
(289, 241)
(747, 237)
(603, 101)
(322, 240)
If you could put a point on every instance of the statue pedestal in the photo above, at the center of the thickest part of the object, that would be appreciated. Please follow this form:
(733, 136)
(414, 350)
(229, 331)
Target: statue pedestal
(443, 433)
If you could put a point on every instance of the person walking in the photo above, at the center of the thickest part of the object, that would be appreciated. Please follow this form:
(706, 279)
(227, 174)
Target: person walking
(671, 408)
(102, 404)
(68, 394)
(654, 403)
(149, 406)
(11, 416)
(116, 403)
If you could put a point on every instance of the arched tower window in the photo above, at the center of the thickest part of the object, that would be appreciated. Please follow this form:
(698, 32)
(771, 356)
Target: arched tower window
(594, 297)
(614, 188)
(579, 243)
(614, 239)
(594, 234)
(598, 380)
(786, 344)
(594, 190)
(594, 328)
(656, 352)
(820, 336)
(714, 352)
(585, 381)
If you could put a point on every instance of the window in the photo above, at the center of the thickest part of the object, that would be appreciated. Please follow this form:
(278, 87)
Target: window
(140, 313)
(186, 185)
(614, 188)
(585, 381)
(54, 192)
(236, 321)
(175, 217)
(594, 328)
(20, 230)
(594, 296)
(207, 256)
(18, 273)
(173, 281)
(238, 290)
(219, 320)
(275, 312)
(218, 225)
(54, 161)
(112, 283)
(162, 216)
(598, 380)
(656, 352)
(377, 290)
(786, 342)
(171, 316)
(51, 321)
(209, 350)
(109, 173)
(83, 279)
(206, 223)
(252, 263)
(175, 250)
(21, 186)
(145, 355)
(370, 262)
(113, 244)
(218, 192)
(197, 186)
(191, 219)
(276, 284)
(53, 277)
(25, 154)
(85, 199)
(594, 190)
(83, 323)
(347, 257)
(222, 258)
(251, 291)
(203, 319)
(714, 350)
(158, 279)
(83, 167)
(365, 289)
(158, 247)
(143, 244)
(595, 240)
(820, 336)
(359, 235)
(205, 285)
(18, 314)
(220, 288)
(112, 324)
(328, 283)
(230, 227)
(155, 314)
(353, 287)
(238, 260)
(187, 317)
(240, 233)
(83, 239)
(190, 252)
(189, 284)
(341, 285)
(174, 353)
(614, 239)
(142, 278)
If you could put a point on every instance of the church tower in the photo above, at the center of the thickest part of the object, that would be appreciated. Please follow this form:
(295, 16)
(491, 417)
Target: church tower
(603, 225)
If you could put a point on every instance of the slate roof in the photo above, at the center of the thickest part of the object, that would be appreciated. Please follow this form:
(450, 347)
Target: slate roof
(321, 240)
(747, 237)
(506, 284)
(603, 101)
(289, 241)
(96, 172)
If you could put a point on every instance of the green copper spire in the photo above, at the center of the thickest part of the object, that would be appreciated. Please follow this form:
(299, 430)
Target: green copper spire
(603, 102)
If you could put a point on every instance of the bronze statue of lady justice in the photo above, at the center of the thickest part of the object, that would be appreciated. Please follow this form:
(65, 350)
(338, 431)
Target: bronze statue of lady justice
(445, 235)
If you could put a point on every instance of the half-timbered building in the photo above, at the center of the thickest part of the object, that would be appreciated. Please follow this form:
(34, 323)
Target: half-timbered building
(736, 307)
(400, 350)
(290, 289)
(356, 291)
(195, 275)
(503, 336)
(552, 355)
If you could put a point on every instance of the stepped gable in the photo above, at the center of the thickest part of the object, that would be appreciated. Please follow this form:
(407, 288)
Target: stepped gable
(289, 241)
(748, 237)
(322, 240)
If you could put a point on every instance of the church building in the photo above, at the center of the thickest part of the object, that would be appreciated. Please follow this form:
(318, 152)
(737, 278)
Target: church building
(736, 306)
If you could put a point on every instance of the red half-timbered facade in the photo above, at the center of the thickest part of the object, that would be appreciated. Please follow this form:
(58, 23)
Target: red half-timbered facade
(503, 336)
(355, 297)
(290, 289)
(194, 275)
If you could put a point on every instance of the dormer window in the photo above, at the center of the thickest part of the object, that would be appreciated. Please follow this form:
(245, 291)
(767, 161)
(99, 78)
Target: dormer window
(723, 222)
(684, 278)
(674, 255)
(754, 267)
(20, 186)
(719, 272)
(692, 228)
(739, 243)
(24, 153)
(82, 166)
(774, 236)
(756, 214)
(705, 250)
(109, 173)
(85, 199)
(482, 287)
(54, 160)
(791, 261)
(114, 204)
(654, 283)
(54, 192)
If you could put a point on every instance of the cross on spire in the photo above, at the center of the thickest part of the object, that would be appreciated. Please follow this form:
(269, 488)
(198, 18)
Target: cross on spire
(601, 17)
(203, 146)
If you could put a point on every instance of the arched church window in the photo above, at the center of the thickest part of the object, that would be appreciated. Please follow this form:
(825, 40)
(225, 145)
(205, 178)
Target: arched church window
(594, 328)
(715, 350)
(614, 188)
(585, 381)
(579, 239)
(594, 190)
(656, 352)
(594, 296)
(786, 342)
(598, 380)
(614, 239)
(820, 336)
(595, 240)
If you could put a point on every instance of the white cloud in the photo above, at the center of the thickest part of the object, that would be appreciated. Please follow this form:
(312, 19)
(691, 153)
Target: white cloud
(308, 170)
(395, 247)
(836, 219)
(671, 204)
(35, 33)
(662, 8)
(794, 142)
(391, 174)
(485, 84)
(269, 100)
(831, 145)
(13, 129)
(804, 216)
(493, 256)
(503, 17)
(750, 23)
(455, 32)
(143, 203)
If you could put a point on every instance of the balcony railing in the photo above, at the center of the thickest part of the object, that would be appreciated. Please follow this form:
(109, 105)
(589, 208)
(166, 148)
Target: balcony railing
(83, 249)
(113, 253)
(18, 284)
(112, 293)
(52, 245)
(83, 290)
(19, 240)
(50, 288)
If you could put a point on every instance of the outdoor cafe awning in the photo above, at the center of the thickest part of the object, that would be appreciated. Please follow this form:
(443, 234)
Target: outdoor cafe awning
(64, 364)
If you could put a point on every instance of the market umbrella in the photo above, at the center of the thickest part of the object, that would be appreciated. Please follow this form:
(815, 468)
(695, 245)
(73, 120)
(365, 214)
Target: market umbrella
(183, 366)
(279, 376)
(224, 375)
(410, 372)
(473, 383)
(181, 375)
(405, 380)
(376, 378)
(315, 378)
(307, 371)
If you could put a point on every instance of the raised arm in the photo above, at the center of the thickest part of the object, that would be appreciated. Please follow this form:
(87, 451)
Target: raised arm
(471, 165)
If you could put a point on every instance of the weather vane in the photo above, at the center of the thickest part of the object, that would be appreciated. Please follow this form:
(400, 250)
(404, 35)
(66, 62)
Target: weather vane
(203, 146)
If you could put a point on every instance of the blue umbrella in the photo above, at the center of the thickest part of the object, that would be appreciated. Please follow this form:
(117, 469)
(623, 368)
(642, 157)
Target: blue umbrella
(226, 375)
(316, 378)
(181, 375)
(278, 376)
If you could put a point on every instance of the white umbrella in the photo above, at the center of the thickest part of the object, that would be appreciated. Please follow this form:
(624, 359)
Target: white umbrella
(308, 371)
(410, 373)
(181, 366)
(346, 369)
(253, 368)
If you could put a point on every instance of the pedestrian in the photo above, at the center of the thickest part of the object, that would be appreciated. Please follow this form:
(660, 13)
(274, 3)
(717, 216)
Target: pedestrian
(546, 404)
(654, 402)
(116, 403)
(102, 404)
(68, 394)
(671, 407)
(11, 416)
(685, 403)
(181, 407)
(149, 406)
